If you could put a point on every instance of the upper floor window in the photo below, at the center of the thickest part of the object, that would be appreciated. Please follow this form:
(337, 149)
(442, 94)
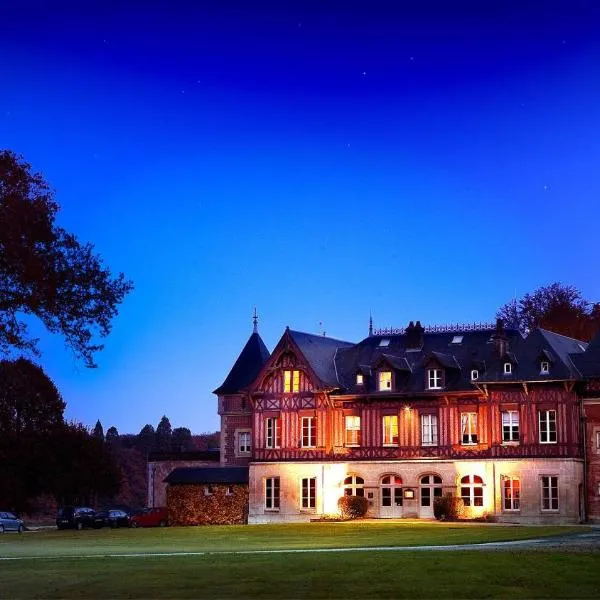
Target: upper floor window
(360, 379)
(598, 441)
(429, 430)
(244, 442)
(544, 368)
(547, 427)
(273, 433)
(474, 374)
(309, 432)
(385, 381)
(507, 368)
(390, 430)
(291, 381)
(471, 490)
(272, 488)
(468, 426)
(510, 426)
(352, 430)
(434, 379)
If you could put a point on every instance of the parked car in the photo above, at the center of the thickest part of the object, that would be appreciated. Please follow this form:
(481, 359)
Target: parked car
(114, 517)
(8, 522)
(75, 517)
(151, 517)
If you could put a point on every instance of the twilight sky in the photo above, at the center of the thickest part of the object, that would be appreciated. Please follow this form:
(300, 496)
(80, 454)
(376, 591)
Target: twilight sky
(420, 160)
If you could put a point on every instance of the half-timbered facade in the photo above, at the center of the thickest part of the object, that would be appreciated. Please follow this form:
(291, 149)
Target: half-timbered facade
(405, 416)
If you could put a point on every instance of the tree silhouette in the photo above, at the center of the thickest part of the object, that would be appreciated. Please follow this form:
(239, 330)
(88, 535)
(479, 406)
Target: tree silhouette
(146, 439)
(163, 435)
(181, 440)
(98, 431)
(46, 272)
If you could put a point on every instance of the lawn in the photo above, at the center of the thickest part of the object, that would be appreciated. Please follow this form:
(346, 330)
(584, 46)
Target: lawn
(70, 564)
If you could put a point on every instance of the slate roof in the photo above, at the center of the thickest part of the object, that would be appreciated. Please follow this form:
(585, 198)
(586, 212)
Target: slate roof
(320, 352)
(228, 475)
(247, 366)
(588, 362)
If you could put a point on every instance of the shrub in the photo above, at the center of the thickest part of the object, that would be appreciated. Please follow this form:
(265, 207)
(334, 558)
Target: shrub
(448, 508)
(353, 507)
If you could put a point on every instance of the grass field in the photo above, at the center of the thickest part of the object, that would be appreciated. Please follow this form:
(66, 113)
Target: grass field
(69, 564)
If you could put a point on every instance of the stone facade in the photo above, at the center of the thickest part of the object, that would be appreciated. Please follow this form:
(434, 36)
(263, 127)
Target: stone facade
(215, 504)
(592, 415)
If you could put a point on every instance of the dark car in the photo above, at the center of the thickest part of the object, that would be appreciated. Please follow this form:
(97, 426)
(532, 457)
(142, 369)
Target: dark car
(8, 522)
(151, 517)
(115, 517)
(75, 517)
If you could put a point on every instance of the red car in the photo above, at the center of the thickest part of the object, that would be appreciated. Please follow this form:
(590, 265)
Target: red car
(151, 517)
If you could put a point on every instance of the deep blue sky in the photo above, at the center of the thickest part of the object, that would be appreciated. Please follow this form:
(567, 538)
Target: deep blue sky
(422, 160)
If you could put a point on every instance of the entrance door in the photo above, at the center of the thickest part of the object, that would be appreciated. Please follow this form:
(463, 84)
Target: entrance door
(430, 488)
(391, 497)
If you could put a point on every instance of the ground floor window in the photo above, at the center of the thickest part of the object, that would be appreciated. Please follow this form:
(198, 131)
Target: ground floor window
(309, 489)
(511, 494)
(549, 492)
(354, 486)
(391, 490)
(431, 487)
(471, 490)
(272, 493)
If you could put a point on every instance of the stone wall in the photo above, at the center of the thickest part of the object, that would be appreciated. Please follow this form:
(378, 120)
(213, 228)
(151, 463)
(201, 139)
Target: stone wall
(202, 504)
(592, 414)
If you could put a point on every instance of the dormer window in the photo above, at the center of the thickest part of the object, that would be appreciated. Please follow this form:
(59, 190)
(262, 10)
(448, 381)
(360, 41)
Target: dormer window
(385, 381)
(544, 367)
(360, 379)
(474, 374)
(384, 342)
(507, 368)
(434, 379)
(457, 339)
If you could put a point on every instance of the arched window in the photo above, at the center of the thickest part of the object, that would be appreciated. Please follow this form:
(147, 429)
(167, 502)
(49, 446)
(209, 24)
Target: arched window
(431, 487)
(354, 486)
(471, 490)
(391, 490)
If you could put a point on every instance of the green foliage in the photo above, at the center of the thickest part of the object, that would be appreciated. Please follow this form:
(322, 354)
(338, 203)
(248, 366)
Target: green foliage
(448, 508)
(353, 507)
(557, 307)
(46, 272)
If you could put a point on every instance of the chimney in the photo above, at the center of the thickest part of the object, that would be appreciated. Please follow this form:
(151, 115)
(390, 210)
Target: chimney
(500, 338)
(414, 336)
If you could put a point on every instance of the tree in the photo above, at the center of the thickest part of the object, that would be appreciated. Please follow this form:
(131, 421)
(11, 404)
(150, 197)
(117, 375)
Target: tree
(46, 272)
(98, 431)
(112, 437)
(163, 435)
(146, 439)
(557, 307)
(181, 440)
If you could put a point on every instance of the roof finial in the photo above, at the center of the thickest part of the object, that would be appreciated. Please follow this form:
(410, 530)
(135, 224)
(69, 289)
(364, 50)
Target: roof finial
(255, 321)
(370, 324)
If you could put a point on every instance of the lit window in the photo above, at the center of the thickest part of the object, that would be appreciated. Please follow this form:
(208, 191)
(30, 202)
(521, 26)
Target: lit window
(352, 431)
(547, 427)
(360, 379)
(468, 427)
(244, 442)
(471, 490)
(354, 486)
(272, 493)
(474, 374)
(309, 489)
(291, 381)
(390, 430)
(229, 491)
(273, 433)
(385, 381)
(598, 441)
(309, 432)
(549, 492)
(434, 379)
(384, 342)
(457, 339)
(507, 368)
(510, 426)
(511, 494)
(429, 430)
(544, 368)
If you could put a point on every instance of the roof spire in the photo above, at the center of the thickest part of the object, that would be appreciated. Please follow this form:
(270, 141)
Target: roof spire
(370, 324)
(255, 321)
